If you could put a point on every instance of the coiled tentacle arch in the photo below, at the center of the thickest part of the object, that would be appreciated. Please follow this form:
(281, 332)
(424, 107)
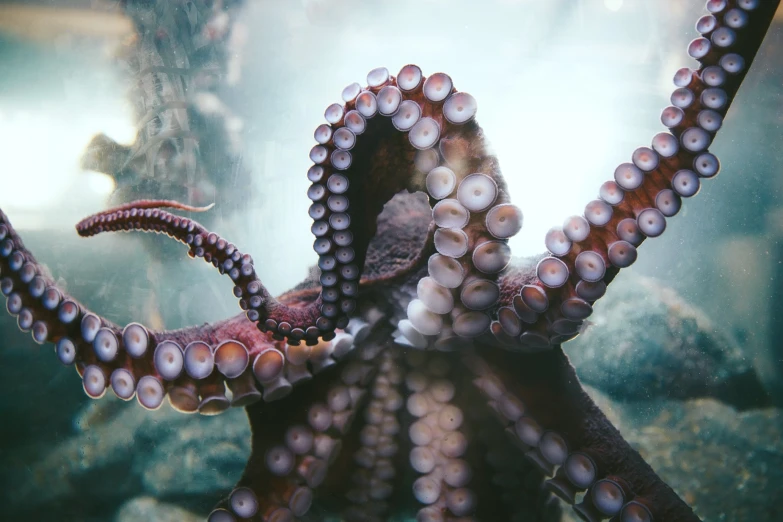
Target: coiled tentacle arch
(364, 140)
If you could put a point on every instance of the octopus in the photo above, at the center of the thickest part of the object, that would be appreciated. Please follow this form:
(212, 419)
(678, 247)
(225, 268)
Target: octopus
(421, 366)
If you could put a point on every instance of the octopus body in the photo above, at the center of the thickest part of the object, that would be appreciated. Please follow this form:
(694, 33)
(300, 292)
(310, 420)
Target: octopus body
(421, 366)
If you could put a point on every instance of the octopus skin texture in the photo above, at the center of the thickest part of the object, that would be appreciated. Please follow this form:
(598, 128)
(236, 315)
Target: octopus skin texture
(421, 366)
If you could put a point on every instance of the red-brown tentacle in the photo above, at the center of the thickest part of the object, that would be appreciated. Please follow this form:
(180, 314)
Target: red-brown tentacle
(589, 250)
(195, 367)
(260, 305)
(306, 444)
(155, 203)
(348, 441)
(444, 154)
(149, 217)
(45, 310)
(546, 413)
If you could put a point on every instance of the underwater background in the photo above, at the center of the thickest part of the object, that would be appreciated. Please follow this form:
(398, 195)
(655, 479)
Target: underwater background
(684, 354)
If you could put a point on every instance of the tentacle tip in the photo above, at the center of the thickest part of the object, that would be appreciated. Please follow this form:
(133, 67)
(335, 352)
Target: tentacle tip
(203, 209)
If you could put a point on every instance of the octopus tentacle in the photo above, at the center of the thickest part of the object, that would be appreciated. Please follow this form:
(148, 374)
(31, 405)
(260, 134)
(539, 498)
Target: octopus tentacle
(254, 297)
(373, 464)
(515, 489)
(439, 441)
(546, 413)
(589, 250)
(148, 216)
(204, 369)
(444, 155)
(54, 316)
(293, 458)
(468, 290)
(231, 364)
(141, 204)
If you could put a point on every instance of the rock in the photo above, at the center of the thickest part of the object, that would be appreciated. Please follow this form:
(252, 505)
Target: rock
(149, 509)
(727, 465)
(124, 451)
(189, 457)
(646, 341)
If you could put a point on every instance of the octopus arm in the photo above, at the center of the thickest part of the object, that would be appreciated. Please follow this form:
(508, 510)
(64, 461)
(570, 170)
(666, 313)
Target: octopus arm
(389, 422)
(546, 413)
(306, 444)
(204, 368)
(588, 250)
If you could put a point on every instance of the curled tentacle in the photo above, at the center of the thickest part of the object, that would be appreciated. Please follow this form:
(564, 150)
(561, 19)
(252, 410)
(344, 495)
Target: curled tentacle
(259, 304)
(443, 153)
(204, 369)
(254, 297)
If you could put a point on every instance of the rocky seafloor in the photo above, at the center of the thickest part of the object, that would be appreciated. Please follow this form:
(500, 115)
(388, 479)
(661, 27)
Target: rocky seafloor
(681, 392)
